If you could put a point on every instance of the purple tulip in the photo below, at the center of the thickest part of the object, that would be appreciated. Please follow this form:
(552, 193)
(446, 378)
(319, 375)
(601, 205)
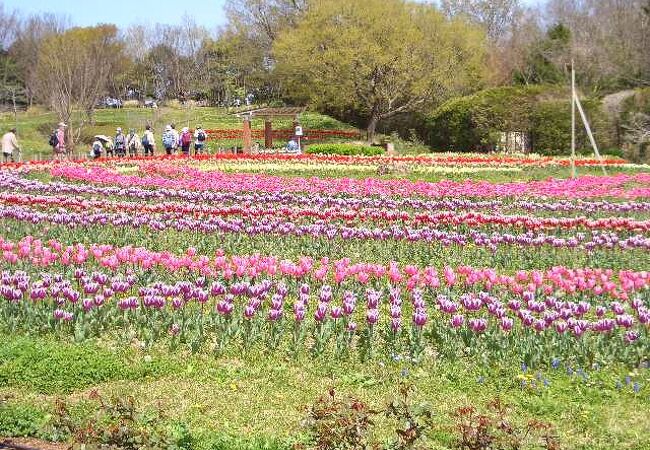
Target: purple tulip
(631, 336)
(336, 313)
(395, 324)
(217, 289)
(457, 321)
(275, 315)
(225, 308)
(249, 312)
(625, 320)
(420, 317)
(506, 323)
(321, 312)
(372, 316)
(478, 325)
(177, 303)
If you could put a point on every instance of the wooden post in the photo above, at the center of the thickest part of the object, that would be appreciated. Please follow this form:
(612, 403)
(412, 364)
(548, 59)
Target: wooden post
(248, 137)
(268, 134)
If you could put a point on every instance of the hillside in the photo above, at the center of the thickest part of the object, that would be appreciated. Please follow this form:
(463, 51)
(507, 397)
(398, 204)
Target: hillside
(35, 125)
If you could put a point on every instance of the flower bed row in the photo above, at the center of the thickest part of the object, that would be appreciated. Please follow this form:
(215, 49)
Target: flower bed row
(283, 313)
(14, 182)
(331, 214)
(170, 176)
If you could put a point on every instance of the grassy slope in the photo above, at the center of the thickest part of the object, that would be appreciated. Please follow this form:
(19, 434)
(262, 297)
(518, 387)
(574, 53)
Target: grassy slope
(34, 127)
(261, 397)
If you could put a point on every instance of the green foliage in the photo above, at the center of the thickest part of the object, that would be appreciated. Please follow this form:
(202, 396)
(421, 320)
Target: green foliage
(377, 58)
(344, 149)
(119, 423)
(18, 420)
(473, 123)
(224, 442)
(551, 127)
(341, 424)
(53, 367)
(545, 62)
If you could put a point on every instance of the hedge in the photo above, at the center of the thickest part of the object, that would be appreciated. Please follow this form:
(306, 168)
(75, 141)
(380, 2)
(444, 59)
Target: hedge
(344, 149)
(473, 123)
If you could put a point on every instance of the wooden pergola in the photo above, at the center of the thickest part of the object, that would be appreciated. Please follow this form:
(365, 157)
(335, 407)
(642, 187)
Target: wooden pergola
(268, 114)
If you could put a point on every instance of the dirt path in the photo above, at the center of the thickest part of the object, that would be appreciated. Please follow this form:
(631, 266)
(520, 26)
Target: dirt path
(29, 443)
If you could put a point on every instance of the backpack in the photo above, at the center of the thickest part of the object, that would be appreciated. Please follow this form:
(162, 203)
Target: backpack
(201, 136)
(168, 139)
(145, 139)
(186, 138)
(54, 139)
(97, 149)
(133, 145)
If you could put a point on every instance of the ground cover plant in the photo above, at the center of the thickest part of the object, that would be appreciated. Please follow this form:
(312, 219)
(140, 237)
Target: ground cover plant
(223, 298)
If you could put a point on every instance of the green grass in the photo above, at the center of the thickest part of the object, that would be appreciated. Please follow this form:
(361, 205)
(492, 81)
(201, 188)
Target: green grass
(258, 400)
(35, 126)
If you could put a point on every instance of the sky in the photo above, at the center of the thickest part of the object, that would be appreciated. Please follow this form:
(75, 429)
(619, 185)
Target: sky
(125, 12)
(208, 13)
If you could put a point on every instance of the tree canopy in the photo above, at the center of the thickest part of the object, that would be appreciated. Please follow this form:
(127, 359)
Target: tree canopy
(377, 57)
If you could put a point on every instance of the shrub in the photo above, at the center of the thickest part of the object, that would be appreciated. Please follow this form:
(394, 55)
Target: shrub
(19, 420)
(118, 423)
(473, 123)
(342, 424)
(344, 149)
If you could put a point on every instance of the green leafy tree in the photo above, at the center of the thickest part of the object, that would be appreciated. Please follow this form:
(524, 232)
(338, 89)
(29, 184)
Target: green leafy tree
(74, 69)
(377, 58)
(548, 58)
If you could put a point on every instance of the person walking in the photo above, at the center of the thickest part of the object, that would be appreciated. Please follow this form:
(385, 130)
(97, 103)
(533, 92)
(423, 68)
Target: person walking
(185, 141)
(177, 138)
(9, 146)
(97, 148)
(57, 142)
(200, 137)
(119, 144)
(133, 143)
(169, 140)
(148, 141)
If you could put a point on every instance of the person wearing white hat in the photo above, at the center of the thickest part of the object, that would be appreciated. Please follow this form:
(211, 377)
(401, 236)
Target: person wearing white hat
(119, 143)
(169, 139)
(57, 141)
(185, 141)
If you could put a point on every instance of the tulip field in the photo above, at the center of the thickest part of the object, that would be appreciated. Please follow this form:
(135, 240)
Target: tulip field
(236, 289)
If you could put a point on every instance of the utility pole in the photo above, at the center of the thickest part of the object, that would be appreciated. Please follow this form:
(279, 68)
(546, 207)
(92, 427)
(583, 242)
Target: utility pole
(573, 120)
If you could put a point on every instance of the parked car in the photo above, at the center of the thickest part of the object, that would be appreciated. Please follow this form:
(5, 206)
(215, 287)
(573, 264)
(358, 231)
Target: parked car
(150, 104)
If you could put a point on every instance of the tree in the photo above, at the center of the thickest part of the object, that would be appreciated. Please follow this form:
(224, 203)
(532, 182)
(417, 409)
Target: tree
(548, 59)
(496, 16)
(378, 58)
(263, 20)
(609, 40)
(31, 33)
(74, 69)
(253, 27)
